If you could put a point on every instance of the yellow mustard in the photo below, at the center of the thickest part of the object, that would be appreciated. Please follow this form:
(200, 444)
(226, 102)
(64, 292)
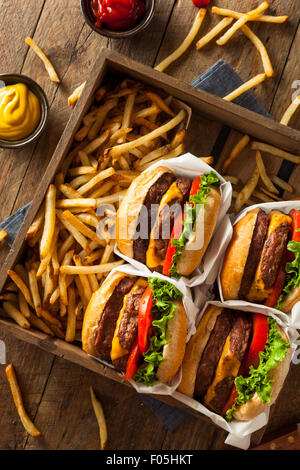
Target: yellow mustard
(20, 112)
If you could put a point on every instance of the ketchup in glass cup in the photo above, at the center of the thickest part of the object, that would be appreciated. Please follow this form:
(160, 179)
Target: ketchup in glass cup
(118, 15)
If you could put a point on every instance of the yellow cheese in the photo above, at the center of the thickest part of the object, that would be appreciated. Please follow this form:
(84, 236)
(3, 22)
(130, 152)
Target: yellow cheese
(228, 366)
(152, 260)
(258, 292)
(116, 349)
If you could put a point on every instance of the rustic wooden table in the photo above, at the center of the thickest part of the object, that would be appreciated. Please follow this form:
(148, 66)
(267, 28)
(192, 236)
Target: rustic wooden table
(56, 391)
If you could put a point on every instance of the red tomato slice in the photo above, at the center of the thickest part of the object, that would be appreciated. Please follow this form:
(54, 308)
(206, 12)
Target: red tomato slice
(295, 225)
(258, 342)
(145, 320)
(133, 361)
(279, 283)
(196, 185)
(176, 232)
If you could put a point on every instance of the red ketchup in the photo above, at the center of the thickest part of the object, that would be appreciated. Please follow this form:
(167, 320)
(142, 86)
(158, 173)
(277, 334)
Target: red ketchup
(201, 3)
(118, 15)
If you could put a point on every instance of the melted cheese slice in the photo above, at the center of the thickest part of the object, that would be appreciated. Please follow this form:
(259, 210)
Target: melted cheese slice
(116, 349)
(228, 366)
(258, 292)
(152, 260)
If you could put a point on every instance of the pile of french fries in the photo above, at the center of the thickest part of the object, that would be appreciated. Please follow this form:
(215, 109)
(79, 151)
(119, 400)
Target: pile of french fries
(127, 129)
(268, 191)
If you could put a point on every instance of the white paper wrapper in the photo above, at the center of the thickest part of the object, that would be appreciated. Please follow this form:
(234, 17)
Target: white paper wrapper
(240, 432)
(191, 311)
(292, 319)
(190, 166)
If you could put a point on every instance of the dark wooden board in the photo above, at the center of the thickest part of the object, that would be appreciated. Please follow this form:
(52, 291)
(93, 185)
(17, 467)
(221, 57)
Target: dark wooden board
(74, 48)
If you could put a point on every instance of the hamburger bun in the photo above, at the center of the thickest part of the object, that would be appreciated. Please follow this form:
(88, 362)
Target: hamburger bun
(255, 406)
(173, 352)
(95, 309)
(130, 208)
(236, 255)
(192, 257)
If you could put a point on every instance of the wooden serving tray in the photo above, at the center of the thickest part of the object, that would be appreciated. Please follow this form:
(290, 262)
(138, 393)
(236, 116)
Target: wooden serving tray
(204, 105)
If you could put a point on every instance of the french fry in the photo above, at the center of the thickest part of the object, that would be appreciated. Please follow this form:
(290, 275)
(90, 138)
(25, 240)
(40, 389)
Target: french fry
(34, 289)
(40, 325)
(71, 323)
(96, 143)
(241, 21)
(86, 270)
(37, 223)
(88, 203)
(83, 278)
(282, 184)
(49, 67)
(156, 99)
(98, 410)
(207, 160)
(74, 97)
(23, 305)
(186, 43)
(18, 400)
(83, 242)
(263, 174)
(262, 196)
(100, 117)
(119, 149)
(269, 193)
(62, 281)
(269, 71)
(245, 87)
(102, 175)
(237, 15)
(54, 322)
(12, 311)
(290, 111)
(213, 33)
(49, 224)
(3, 235)
(247, 191)
(81, 227)
(82, 170)
(21, 285)
(249, 202)
(242, 143)
(275, 151)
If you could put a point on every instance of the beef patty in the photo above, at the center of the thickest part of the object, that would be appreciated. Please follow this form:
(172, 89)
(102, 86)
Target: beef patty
(212, 353)
(239, 338)
(110, 316)
(255, 251)
(273, 253)
(155, 193)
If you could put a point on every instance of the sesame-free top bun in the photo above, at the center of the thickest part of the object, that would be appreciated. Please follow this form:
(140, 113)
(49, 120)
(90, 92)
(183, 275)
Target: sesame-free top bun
(195, 348)
(236, 255)
(130, 207)
(255, 406)
(95, 309)
(192, 257)
(173, 352)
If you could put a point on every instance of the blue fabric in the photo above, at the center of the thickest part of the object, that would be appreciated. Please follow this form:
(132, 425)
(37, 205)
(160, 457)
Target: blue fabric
(219, 80)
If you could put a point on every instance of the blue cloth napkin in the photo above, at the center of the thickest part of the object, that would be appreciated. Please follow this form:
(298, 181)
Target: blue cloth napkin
(219, 80)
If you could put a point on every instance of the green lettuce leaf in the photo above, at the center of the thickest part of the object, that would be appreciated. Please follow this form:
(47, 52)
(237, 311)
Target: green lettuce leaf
(293, 273)
(258, 379)
(164, 294)
(190, 218)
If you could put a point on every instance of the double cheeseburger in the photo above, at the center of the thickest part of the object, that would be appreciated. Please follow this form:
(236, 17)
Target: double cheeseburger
(159, 222)
(236, 363)
(262, 262)
(139, 325)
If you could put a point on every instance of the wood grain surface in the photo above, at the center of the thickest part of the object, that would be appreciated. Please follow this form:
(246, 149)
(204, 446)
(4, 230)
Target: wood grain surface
(56, 391)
